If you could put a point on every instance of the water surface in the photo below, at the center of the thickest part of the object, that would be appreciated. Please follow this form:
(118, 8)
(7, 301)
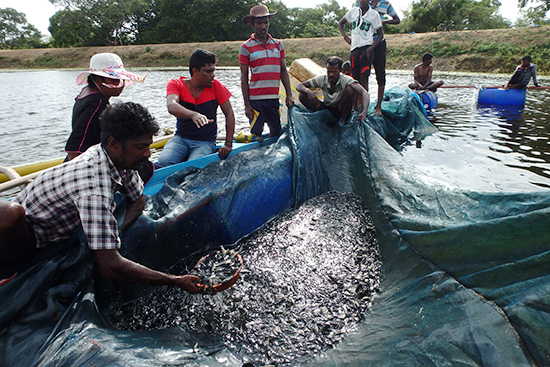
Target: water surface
(478, 147)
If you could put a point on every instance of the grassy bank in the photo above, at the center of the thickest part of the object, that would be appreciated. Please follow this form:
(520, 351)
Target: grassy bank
(491, 51)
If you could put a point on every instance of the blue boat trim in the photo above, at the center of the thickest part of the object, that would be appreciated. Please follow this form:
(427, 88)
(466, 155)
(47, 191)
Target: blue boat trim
(160, 175)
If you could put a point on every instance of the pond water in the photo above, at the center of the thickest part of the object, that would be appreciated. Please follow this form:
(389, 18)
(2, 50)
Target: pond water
(477, 147)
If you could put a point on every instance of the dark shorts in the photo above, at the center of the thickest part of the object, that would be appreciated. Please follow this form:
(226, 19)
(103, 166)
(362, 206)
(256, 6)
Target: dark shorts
(334, 111)
(265, 110)
(379, 62)
(360, 64)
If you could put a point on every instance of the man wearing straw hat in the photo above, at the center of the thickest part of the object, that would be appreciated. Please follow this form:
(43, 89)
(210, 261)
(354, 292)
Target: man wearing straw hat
(265, 57)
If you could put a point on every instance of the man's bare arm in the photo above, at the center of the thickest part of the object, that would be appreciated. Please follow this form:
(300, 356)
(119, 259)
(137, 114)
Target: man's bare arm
(133, 211)
(114, 266)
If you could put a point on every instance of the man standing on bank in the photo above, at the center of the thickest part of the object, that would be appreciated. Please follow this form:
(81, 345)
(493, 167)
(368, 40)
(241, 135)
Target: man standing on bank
(194, 102)
(265, 56)
(80, 193)
(339, 92)
(365, 23)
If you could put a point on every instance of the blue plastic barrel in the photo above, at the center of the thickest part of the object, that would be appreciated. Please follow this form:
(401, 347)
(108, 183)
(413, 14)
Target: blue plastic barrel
(420, 104)
(506, 97)
(429, 99)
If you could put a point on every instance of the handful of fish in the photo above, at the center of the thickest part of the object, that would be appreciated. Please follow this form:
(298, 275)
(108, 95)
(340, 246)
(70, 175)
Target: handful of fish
(218, 271)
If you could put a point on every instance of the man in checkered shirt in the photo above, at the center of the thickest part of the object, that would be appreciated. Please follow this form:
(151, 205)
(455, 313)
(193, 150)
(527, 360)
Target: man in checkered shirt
(80, 192)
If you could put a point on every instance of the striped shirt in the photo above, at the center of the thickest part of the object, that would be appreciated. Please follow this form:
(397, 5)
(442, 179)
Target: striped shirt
(265, 66)
(79, 192)
(384, 7)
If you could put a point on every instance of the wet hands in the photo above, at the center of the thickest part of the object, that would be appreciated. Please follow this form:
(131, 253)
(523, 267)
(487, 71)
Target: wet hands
(224, 151)
(188, 283)
(200, 120)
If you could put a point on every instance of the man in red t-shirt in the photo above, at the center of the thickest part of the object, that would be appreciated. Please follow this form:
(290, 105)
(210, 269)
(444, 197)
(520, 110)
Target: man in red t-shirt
(194, 101)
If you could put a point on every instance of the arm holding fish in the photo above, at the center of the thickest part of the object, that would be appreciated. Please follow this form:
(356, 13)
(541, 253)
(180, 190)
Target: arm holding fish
(227, 110)
(114, 266)
(177, 110)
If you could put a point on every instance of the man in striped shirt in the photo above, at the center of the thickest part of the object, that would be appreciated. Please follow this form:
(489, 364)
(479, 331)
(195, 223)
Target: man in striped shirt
(79, 193)
(265, 56)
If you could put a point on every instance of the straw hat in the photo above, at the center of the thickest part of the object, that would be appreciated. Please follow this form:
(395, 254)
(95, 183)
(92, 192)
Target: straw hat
(258, 11)
(110, 66)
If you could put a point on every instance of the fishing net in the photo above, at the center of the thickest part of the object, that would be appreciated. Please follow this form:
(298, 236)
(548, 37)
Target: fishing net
(463, 277)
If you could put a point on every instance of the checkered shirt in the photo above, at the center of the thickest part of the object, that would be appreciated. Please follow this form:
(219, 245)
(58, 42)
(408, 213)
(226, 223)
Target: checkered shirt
(79, 191)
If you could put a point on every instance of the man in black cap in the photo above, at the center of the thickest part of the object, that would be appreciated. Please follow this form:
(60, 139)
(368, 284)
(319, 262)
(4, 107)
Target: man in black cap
(523, 74)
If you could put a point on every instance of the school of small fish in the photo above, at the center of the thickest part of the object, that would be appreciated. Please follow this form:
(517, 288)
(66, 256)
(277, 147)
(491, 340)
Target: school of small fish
(218, 268)
(309, 277)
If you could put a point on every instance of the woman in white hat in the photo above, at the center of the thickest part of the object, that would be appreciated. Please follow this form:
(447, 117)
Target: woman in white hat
(106, 78)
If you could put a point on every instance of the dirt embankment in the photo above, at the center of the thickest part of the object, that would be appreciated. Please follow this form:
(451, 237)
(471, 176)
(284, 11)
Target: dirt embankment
(495, 51)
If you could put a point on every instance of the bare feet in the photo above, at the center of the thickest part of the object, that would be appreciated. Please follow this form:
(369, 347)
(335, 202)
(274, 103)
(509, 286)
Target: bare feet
(378, 109)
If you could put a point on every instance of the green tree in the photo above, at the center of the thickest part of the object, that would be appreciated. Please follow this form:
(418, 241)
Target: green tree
(175, 21)
(542, 5)
(533, 13)
(441, 15)
(320, 21)
(99, 22)
(16, 32)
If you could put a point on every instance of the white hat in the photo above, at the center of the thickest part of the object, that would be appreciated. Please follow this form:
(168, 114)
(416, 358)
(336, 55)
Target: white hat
(110, 66)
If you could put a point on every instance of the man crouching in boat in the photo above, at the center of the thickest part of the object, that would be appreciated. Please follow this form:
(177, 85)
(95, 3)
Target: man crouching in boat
(339, 92)
(80, 193)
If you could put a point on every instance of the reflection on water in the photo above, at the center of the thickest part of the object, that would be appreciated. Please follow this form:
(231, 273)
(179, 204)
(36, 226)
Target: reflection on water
(486, 147)
(478, 147)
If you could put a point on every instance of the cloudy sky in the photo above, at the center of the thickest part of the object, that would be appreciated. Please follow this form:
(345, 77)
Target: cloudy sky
(38, 12)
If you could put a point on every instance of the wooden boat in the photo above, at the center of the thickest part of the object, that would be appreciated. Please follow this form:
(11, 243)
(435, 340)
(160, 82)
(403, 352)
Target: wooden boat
(500, 96)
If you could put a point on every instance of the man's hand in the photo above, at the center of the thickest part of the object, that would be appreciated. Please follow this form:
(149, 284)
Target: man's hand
(200, 120)
(363, 114)
(188, 283)
(313, 99)
(248, 111)
(224, 151)
(347, 39)
(289, 101)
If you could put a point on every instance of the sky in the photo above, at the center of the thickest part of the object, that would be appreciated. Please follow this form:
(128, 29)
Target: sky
(38, 12)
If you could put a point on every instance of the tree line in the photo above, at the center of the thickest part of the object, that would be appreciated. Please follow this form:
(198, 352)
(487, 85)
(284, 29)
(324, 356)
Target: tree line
(124, 22)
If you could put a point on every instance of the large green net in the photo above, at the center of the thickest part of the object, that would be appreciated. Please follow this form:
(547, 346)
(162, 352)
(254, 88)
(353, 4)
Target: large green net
(464, 276)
